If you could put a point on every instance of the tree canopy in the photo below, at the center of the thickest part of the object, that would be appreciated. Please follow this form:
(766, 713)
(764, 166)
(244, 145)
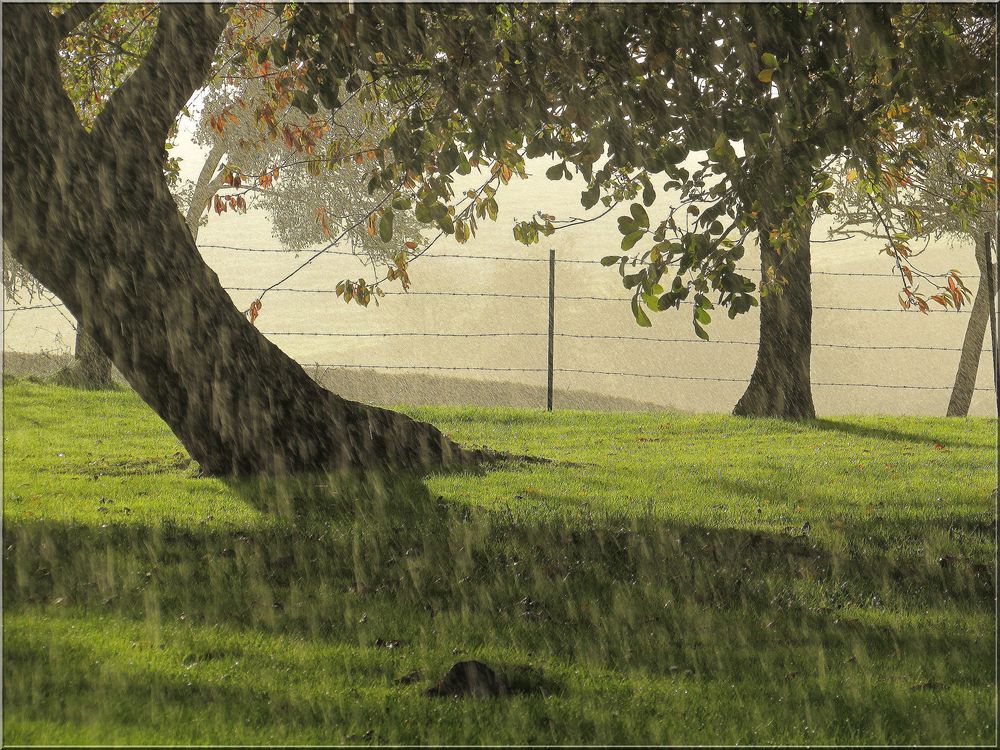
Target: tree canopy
(766, 96)
(623, 94)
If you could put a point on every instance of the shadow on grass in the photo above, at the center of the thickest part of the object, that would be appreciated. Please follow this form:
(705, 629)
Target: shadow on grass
(883, 433)
(378, 565)
(875, 562)
(347, 543)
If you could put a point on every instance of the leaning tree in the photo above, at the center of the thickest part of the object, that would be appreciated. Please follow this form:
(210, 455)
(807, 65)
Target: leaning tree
(622, 93)
(90, 215)
(94, 60)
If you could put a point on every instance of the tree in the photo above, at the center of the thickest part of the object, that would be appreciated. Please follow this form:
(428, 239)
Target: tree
(252, 134)
(796, 86)
(475, 87)
(102, 49)
(951, 193)
(93, 219)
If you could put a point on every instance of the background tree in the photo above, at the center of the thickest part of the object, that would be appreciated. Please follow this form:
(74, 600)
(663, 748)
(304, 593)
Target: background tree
(275, 157)
(950, 193)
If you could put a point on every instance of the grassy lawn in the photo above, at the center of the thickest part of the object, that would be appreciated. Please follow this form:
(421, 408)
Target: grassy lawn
(665, 578)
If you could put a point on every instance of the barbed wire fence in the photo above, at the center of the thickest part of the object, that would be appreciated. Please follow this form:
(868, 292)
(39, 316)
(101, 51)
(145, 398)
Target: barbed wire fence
(552, 299)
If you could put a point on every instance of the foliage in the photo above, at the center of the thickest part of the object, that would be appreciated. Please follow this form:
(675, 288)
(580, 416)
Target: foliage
(622, 95)
(278, 157)
(766, 97)
(948, 190)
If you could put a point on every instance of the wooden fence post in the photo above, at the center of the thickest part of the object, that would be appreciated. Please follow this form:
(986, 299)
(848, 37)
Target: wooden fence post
(552, 324)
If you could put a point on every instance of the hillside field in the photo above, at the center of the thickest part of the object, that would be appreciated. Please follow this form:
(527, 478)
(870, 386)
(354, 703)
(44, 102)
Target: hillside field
(661, 578)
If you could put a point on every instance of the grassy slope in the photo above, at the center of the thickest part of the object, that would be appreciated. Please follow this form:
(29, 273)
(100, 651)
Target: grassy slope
(655, 583)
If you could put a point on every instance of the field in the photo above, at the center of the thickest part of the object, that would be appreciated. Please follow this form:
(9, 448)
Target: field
(662, 578)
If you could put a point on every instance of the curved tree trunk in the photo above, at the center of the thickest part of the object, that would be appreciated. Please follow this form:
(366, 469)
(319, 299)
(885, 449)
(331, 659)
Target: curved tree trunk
(779, 386)
(90, 215)
(975, 335)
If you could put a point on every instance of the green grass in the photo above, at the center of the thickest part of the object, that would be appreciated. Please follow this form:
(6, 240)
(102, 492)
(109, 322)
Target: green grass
(655, 582)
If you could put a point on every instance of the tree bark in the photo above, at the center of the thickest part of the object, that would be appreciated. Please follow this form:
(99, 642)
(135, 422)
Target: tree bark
(779, 386)
(975, 335)
(90, 215)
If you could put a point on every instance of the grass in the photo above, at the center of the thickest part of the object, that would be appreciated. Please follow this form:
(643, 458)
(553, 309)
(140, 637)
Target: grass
(666, 578)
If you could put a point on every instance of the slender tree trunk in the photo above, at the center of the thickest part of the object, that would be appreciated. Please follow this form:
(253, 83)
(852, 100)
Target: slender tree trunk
(90, 215)
(91, 367)
(975, 335)
(779, 386)
(207, 186)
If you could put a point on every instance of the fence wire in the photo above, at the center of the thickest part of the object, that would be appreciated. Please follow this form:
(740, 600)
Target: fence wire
(556, 334)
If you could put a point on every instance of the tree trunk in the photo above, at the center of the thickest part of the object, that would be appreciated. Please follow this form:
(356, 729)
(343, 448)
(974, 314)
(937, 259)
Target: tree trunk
(90, 215)
(91, 367)
(779, 386)
(975, 335)
(205, 189)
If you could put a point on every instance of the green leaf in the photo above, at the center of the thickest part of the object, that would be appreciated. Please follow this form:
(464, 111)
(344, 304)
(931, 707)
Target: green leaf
(640, 215)
(674, 154)
(632, 280)
(555, 172)
(589, 197)
(640, 315)
(702, 333)
(385, 226)
(626, 225)
(765, 75)
(610, 260)
(769, 60)
(306, 103)
(702, 316)
(629, 240)
(648, 191)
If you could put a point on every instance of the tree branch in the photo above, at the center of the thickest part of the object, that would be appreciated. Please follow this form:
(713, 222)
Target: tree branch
(205, 188)
(77, 14)
(177, 63)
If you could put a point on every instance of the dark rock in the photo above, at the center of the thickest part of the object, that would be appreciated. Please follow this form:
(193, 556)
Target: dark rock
(409, 678)
(469, 678)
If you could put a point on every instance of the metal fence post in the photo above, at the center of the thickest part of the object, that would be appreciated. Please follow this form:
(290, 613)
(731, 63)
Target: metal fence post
(552, 323)
(991, 289)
